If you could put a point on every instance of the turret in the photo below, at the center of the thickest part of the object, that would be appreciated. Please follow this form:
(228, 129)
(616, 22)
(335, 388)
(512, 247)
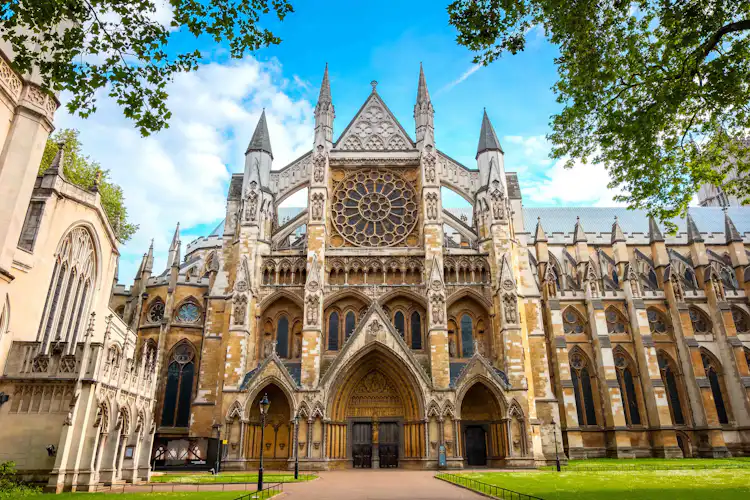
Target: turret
(259, 156)
(324, 113)
(424, 113)
(736, 246)
(490, 157)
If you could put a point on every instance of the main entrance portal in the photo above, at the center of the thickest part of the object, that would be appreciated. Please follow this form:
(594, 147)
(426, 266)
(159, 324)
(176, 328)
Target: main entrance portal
(476, 445)
(375, 415)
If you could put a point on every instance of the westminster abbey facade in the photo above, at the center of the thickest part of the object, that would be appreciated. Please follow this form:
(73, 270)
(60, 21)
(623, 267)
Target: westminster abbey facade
(385, 328)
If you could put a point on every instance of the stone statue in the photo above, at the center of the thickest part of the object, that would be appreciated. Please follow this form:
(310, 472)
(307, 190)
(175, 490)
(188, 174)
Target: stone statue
(452, 348)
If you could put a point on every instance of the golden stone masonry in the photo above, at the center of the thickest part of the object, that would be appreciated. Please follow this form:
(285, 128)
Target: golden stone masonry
(382, 326)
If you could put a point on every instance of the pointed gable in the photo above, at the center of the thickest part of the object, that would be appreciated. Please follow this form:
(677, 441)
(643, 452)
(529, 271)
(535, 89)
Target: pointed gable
(374, 128)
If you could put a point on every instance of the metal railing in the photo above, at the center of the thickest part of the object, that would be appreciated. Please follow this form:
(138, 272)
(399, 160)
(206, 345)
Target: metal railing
(484, 488)
(267, 492)
(228, 479)
(179, 487)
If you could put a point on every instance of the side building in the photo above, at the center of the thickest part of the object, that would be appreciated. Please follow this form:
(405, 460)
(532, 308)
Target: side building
(386, 329)
(76, 387)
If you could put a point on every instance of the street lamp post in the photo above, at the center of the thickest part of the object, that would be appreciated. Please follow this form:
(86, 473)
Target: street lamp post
(264, 404)
(296, 446)
(218, 448)
(557, 456)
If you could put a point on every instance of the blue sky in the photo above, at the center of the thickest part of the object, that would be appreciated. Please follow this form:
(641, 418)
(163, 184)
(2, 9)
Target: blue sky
(182, 174)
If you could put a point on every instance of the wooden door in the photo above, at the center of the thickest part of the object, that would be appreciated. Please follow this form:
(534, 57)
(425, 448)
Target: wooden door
(476, 445)
(362, 444)
(388, 441)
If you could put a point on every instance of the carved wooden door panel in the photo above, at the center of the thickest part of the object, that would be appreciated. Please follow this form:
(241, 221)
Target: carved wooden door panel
(362, 444)
(388, 444)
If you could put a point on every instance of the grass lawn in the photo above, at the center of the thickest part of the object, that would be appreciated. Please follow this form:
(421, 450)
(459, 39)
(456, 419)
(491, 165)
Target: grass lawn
(228, 477)
(654, 463)
(726, 484)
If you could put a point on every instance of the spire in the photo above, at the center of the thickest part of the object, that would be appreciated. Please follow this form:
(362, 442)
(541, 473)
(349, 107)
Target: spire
(578, 234)
(487, 137)
(261, 140)
(693, 234)
(730, 231)
(654, 233)
(539, 235)
(174, 249)
(423, 95)
(617, 235)
(149, 263)
(325, 88)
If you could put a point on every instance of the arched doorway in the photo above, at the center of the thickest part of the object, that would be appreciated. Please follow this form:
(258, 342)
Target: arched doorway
(483, 429)
(376, 414)
(277, 437)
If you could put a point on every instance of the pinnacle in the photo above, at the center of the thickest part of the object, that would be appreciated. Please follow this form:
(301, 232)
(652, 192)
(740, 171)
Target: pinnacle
(540, 235)
(693, 234)
(578, 234)
(487, 138)
(261, 140)
(617, 235)
(325, 88)
(423, 95)
(730, 230)
(654, 233)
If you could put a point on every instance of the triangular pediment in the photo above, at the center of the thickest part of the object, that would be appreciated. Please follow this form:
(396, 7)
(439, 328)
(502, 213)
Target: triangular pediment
(374, 331)
(270, 368)
(478, 365)
(374, 128)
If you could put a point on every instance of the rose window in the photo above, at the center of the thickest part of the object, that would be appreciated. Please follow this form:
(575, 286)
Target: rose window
(374, 208)
(188, 313)
(156, 313)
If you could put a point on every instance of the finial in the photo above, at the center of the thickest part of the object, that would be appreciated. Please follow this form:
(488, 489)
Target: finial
(374, 84)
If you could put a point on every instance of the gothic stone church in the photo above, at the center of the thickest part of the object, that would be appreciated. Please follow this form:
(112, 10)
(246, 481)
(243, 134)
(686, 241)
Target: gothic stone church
(384, 328)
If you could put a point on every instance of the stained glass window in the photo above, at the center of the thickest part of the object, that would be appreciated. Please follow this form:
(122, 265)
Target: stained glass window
(398, 323)
(616, 323)
(627, 390)
(670, 383)
(156, 313)
(700, 322)
(741, 322)
(333, 331)
(179, 389)
(572, 322)
(374, 208)
(349, 324)
(656, 322)
(188, 313)
(582, 392)
(416, 330)
(467, 336)
(282, 337)
(712, 373)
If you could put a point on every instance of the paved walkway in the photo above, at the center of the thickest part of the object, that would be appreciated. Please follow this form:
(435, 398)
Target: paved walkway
(376, 485)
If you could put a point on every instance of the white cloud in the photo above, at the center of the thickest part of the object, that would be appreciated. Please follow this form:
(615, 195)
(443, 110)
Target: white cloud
(466, 74)
(182, 173)
(546, 182)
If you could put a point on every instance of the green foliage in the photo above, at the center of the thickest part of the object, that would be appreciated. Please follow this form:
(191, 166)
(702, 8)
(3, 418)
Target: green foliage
(83, 172)
(655, 91)
(122, 48)
(11, 486)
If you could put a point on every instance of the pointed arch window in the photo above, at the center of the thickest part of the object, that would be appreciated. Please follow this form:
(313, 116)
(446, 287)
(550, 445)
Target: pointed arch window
(350, 323)
(467, 336)
(582, 389)
(616, 322)
(179, 389)
(67, 297)
(282, 337)
(627, 389)
(713, 373)
(701, 323)
(747, 355)
(416, 330)
(572, 321)
(741, 322)
(656, 321)
(333, 331)
(399, 323)
(670, 384)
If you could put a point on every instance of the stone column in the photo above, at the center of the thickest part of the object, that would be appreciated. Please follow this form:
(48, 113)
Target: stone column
(22, 150)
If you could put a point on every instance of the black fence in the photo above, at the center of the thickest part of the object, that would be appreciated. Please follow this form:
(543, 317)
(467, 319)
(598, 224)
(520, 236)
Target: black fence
(267, 492)
(485, 488)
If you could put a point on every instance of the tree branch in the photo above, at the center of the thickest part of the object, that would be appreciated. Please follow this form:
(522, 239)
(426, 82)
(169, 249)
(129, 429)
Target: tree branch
(714, 40)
